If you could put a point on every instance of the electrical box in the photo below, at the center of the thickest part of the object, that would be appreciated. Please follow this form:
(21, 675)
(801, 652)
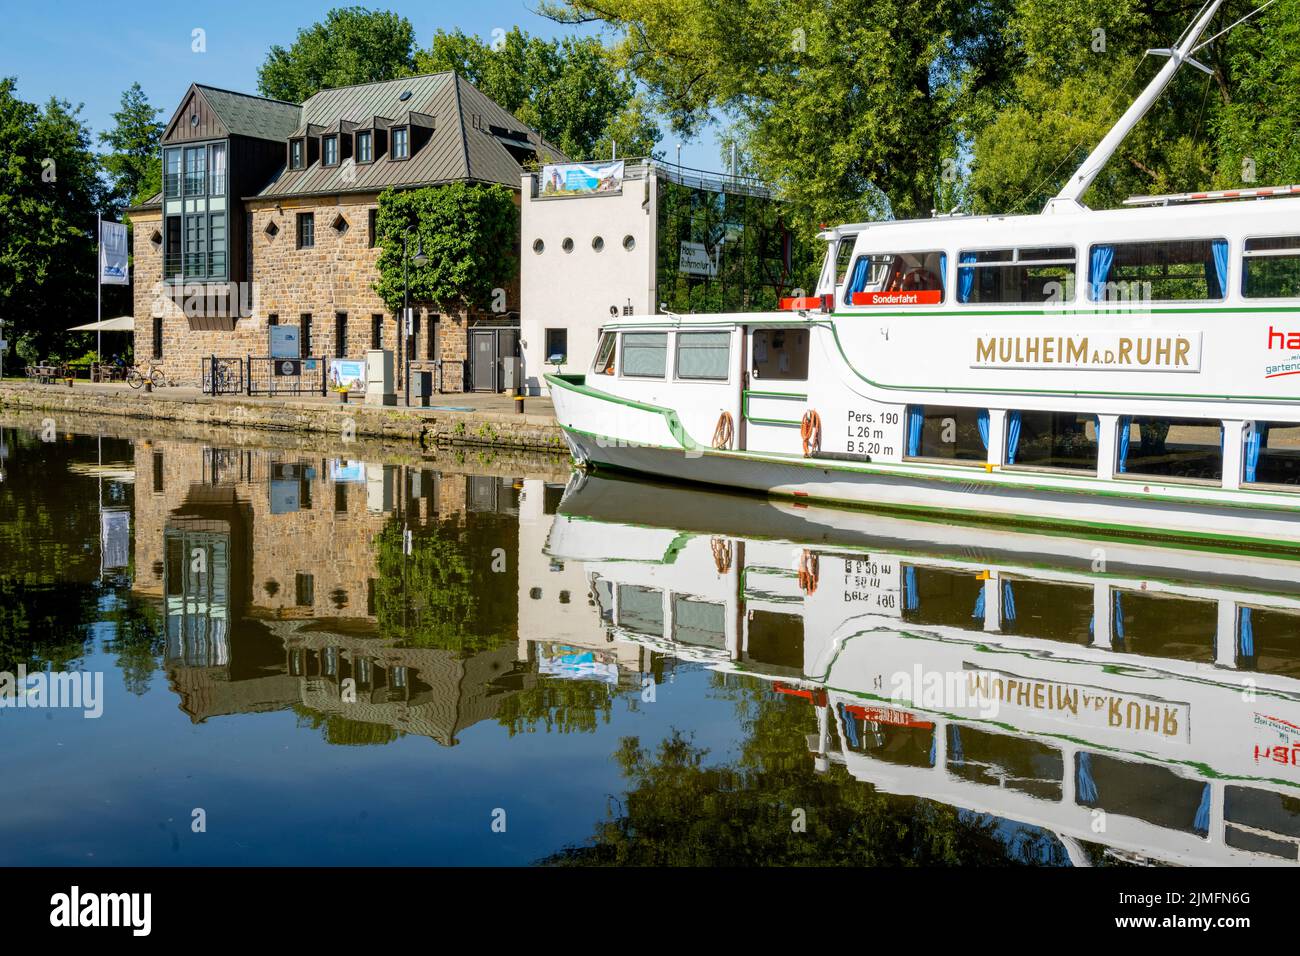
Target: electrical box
(379, 378)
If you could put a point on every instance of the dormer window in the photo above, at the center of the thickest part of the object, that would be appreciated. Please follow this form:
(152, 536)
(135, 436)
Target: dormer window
(401, 147)
(295, 154)
(330, 151)
(365, 147)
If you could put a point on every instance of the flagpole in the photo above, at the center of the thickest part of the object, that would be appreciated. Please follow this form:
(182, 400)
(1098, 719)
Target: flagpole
(99, 288)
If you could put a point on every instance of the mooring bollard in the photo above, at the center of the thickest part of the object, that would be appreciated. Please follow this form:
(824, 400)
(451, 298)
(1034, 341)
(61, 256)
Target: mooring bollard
(519, 403)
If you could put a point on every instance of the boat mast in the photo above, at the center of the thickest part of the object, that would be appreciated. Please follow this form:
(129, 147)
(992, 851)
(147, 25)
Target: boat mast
(1069, 199)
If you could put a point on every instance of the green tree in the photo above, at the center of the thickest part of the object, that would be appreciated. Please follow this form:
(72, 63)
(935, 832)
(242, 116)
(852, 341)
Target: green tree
(1082, 65)
(50, 190)
(849, 107)
(470, 233)
(570, 90)
(134, 162)
(353, 45)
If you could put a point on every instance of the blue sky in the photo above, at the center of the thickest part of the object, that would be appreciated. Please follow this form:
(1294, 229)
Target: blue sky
(89, 53)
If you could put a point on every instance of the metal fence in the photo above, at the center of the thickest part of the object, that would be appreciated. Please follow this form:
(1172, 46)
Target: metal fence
(222, 375)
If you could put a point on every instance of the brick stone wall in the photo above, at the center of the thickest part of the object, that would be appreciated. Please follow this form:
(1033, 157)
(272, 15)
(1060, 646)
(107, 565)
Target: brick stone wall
(335, 275)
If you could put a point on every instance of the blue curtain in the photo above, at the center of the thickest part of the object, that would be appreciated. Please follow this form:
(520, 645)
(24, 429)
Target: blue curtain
(955, 753)
(1245, 633)
(1101, 259)
(1117, 623)
(932, 750)
(1125, 423)
(915, 421)
(858, 280)
(943, 271)
(1008, 602)
(984, 427)
(1255, 443)
(978, 613)
(1216, 271)
(1202, 823)
(1084, 786)
(911, 598)
(850, 728)
(1013, 436)
(965, 277)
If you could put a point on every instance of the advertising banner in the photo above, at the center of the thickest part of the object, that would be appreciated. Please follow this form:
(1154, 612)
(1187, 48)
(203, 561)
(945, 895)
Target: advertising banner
(347, 375)
(112, 254)
(582, 179)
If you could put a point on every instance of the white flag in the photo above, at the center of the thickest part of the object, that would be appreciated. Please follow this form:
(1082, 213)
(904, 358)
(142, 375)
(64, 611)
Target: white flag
(112, 254)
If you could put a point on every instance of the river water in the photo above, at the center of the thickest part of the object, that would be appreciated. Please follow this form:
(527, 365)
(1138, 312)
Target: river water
(269, 651)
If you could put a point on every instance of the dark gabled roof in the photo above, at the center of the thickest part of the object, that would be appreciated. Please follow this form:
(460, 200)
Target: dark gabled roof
(462, 146)
(254, 116)
(153, 202)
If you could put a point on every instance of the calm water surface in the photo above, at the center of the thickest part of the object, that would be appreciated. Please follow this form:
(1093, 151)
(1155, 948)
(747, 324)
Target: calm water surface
(329, 658)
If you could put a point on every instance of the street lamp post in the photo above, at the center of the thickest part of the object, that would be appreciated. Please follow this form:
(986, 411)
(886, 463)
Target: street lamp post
(419, 259)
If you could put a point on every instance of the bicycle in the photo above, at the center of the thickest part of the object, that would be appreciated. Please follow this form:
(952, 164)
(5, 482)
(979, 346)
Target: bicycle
(155, 377)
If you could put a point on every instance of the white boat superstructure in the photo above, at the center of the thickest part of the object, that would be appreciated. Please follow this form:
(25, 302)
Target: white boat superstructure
(1152, 708)
(1131, 369)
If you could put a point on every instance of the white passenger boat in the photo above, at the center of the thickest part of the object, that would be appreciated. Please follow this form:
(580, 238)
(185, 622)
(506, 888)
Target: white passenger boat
(1143, 698)
(1129, 370)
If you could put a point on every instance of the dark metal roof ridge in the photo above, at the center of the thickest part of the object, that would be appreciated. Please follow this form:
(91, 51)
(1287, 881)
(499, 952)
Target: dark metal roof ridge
(251, 96)
(282, 197)
(460, 121)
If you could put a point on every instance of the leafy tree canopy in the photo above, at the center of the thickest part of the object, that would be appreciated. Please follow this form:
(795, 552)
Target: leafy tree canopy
(470, 233)
(50, 191)
(134, 162)
(352, 45)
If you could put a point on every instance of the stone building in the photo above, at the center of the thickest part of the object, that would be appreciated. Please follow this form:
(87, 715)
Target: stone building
(267, 216)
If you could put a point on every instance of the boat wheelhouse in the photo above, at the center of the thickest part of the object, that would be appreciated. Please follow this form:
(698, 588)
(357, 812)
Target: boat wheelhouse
(1131, 369)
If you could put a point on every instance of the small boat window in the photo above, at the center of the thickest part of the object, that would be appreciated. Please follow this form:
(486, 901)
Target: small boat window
(604, 364)
(1168, 626)
(1182, 449)
(645, 354)
(1005, 762)
(909, 278)
(1263, 821)
(780, 354)
(843, 256)
(1046, 610)
(1272, 454)
(947, 432)
(1149, 792)
(1266, 641)
(942, 597)
(704, 355)
(1058, 440)
(1040, 275)
(641, 609)
(1136, 272)
(1270, 268)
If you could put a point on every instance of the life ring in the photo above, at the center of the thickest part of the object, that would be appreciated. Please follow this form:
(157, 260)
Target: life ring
(723, 431)
(808, 572)
(810, 430)
(721, 554)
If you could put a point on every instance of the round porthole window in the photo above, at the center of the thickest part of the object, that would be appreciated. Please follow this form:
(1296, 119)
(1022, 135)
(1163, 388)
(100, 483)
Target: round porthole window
(629, 243)
(567, 245)
(598, 243)
(538, 246)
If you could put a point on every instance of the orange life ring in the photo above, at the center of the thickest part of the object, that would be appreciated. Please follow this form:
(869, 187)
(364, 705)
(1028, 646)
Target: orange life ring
(810, 430)
(808, 571)
(723, 431)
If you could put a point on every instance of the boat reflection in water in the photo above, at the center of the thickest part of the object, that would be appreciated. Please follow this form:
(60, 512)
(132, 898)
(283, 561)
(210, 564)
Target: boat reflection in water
(1128, 694)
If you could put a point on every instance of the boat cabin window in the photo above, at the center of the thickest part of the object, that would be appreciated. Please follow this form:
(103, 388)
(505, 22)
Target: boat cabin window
(604, 363)
(1149, 792)
(947, 432)
(1005, 762)
(843, 256)
(1057, 440)
(645, 354)
(1262, 821)
(1184, 271)
(1272, 453)
(1047, 610)
(641, 609)
(897, 278)
(704, 356)
(1266, 640)
(942, 596)
(780, 354)
(1181, 449)
(1017, 275)
(1163, 625)
(1270, 268)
